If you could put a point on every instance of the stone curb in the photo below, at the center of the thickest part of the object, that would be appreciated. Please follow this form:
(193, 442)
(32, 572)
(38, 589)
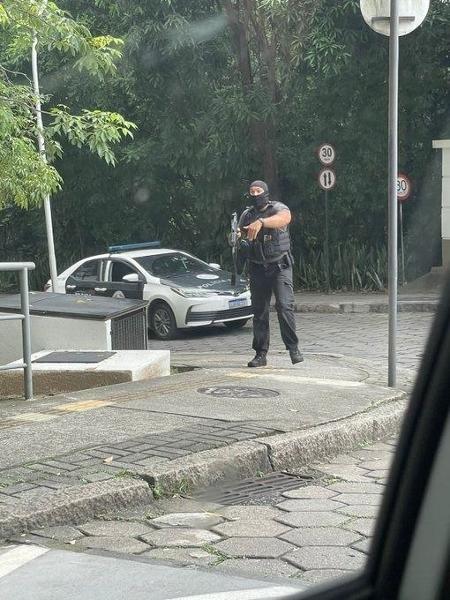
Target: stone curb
(278, 453)
(291, 450)
(363, 307)
(72, 505)
(238, 461)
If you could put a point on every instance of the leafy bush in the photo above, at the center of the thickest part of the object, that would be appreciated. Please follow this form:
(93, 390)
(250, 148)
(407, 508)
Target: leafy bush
(353, 267)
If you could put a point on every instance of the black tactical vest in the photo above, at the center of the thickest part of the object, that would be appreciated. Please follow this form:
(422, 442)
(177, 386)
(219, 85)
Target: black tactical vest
(271, 244)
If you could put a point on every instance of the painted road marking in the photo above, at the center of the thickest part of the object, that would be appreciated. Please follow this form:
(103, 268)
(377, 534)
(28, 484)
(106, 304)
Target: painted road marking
(82, 405)
(33, 417)
(18, 557)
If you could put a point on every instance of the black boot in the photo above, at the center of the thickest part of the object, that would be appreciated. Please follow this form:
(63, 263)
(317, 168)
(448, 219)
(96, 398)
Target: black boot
(296, 356)
(260, 360)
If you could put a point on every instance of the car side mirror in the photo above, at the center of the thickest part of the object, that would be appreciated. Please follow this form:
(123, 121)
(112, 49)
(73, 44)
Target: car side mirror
(131, 278)
(215, 266)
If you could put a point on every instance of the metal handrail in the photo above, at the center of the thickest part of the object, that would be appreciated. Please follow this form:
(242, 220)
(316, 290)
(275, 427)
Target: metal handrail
(22, 268)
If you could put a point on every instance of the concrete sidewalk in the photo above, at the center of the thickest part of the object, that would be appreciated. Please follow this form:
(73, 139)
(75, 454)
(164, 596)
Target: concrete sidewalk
(64, 458)
(370, 302)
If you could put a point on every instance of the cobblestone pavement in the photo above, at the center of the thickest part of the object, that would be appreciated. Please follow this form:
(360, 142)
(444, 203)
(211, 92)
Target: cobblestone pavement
(313, 532)
(357, 335)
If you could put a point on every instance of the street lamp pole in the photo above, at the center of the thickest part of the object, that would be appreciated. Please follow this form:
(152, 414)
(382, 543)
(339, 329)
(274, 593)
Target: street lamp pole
(43, 154)
(392, 199)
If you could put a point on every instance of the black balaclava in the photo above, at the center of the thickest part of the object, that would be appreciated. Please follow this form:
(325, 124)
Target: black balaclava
(263, 199)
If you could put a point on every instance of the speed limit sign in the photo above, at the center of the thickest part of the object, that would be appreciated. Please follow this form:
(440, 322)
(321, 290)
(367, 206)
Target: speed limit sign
(326, 154)
(404, 187)
(327, 179)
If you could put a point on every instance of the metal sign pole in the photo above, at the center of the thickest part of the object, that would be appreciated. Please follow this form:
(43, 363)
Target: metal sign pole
(402, 244)
(327, 243)
(393, 170)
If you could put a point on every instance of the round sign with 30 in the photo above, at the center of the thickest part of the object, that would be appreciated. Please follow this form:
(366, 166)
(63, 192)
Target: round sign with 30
(404, 187)
(326, 154)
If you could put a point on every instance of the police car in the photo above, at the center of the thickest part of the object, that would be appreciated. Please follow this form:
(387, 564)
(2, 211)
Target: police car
(182, 290)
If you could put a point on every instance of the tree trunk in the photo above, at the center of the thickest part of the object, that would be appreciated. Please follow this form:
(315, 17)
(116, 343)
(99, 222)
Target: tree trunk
(262, 133)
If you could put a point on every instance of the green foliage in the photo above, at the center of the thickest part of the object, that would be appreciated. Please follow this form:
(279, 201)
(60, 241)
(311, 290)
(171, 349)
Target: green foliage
(95, 129)
(317, 73)
(353, 267)
(25, 178)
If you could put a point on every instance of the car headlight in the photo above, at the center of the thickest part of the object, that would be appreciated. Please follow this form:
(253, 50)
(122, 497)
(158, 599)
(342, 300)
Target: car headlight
(191, 292)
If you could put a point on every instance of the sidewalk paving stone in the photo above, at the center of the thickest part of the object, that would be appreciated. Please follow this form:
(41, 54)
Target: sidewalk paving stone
(375, 465)
(326, 557)
(346, 472)
(253, 547)
(360, 499)
(261, 567)
(195, 520)
(254, 514)
(312, 491)
(321, 575)
(320, 536)
(178, 537)
(61, 533)
(363, 526)
(243, 528)
(344, 459)
(380, 474)
(363, 545)
(184, 556)
(364, 511)
(112, 544)
(114, 529)
(348, 487)
(312, 519)
(314, 505)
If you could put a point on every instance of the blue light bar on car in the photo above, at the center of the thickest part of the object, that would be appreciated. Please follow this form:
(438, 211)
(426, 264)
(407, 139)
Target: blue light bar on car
(128, 247)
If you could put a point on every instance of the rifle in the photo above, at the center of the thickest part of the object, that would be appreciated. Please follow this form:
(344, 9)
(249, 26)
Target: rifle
(234, 241)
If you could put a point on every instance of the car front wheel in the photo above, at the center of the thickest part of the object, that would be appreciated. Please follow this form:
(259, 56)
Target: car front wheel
(236, 324)
(162, 322)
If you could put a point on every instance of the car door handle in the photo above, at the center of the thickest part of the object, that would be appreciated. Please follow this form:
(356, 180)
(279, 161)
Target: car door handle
(71, 287)
(100, 289)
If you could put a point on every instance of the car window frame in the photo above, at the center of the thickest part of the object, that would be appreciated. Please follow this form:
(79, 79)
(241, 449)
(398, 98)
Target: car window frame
(83, 264)
(131, 264)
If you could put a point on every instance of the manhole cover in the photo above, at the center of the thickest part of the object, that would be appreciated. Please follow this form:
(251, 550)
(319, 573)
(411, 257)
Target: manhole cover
(233, 391)
(74, 357)
(258, 490)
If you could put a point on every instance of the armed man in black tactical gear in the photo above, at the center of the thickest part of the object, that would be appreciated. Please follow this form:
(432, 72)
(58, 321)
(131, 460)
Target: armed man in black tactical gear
(264, 229)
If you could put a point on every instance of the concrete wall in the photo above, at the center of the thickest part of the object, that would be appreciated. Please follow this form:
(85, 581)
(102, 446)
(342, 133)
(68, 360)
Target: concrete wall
(444, 145)
(54, 333)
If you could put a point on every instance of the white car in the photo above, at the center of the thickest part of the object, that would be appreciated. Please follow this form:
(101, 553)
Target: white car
(182, 291)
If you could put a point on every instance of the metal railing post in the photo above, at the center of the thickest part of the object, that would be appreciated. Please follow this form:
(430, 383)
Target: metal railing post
(26, 334)
(22, 268)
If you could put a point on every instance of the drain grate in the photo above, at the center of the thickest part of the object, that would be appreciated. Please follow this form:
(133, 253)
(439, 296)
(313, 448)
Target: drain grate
(258, 490)
(228, 391)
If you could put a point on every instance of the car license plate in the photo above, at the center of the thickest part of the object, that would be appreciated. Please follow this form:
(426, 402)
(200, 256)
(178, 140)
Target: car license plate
(238, 303)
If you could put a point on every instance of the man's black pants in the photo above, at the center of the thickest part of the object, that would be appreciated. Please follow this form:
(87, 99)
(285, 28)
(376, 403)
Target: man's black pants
(265, 279)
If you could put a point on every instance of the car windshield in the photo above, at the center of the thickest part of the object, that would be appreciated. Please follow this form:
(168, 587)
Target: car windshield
(170, 265)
